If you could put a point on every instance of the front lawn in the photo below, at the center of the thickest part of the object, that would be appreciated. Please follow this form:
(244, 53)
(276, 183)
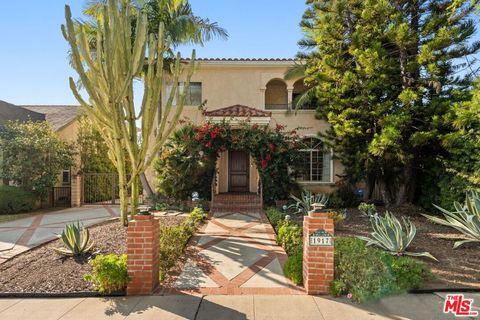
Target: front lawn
(16, 216)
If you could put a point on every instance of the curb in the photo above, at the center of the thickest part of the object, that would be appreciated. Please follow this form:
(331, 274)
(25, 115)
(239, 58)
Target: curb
(80, 294)
(424, 291)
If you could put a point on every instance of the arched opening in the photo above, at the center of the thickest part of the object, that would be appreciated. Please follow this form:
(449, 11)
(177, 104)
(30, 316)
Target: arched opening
(302, 98)
(315, 163)
(276, 95)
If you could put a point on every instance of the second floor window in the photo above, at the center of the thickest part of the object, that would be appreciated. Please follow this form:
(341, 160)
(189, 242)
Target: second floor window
(194, 96)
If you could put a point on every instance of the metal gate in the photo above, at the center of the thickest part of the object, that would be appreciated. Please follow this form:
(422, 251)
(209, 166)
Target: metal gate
(102, 188)
(61, 197)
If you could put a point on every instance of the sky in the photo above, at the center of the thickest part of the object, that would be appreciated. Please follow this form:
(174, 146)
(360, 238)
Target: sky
(34, 68)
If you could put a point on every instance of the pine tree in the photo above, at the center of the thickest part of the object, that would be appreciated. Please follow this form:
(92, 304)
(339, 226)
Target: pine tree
(385, 73)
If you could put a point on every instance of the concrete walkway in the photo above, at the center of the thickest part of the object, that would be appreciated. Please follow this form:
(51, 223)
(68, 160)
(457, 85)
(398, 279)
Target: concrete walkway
(20, 235)
(421, 307)
(234, 253)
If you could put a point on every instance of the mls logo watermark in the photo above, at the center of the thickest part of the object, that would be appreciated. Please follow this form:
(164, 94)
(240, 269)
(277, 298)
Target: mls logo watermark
(459, 306)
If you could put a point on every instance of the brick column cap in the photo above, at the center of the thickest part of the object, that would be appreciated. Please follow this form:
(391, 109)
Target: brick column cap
(143, 217)
(318, 214)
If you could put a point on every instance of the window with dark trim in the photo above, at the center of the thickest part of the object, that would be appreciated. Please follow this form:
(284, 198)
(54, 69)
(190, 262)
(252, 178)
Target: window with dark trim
(66, 176)
(194, 96)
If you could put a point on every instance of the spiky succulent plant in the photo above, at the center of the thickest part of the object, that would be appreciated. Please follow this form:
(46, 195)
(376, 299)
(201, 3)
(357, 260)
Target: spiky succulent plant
(306, 200)
(389, 234)
(76, 240)
(465, 218)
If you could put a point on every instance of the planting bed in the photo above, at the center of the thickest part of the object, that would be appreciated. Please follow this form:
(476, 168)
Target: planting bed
(42, 270)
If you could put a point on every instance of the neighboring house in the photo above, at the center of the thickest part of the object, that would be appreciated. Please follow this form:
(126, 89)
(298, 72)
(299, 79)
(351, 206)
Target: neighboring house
(237, 89)
(10, 112)
(63, 120)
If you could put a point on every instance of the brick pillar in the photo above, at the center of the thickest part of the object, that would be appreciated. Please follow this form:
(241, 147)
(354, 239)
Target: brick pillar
(76, 190)
(317, 257)
(143, 236)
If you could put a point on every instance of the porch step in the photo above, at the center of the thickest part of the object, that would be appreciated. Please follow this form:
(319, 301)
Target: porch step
(236, 202)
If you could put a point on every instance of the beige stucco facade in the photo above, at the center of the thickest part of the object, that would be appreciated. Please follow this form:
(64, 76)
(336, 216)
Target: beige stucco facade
(258, 84)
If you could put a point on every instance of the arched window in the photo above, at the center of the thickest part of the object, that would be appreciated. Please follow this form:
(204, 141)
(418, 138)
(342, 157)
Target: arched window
(276, 95)
(316, 161)
(301, 93)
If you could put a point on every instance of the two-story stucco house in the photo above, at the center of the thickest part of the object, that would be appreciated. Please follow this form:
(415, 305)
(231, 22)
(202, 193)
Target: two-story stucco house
(237, 89)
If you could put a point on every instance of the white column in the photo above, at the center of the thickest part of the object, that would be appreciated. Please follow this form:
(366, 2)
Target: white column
(290, 97)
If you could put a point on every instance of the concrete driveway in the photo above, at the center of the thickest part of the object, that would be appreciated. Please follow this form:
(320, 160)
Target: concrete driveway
(20, 235)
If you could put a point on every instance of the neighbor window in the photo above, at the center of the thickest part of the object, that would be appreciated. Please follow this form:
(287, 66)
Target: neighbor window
(315, 162)
(194, 96)
(66, 176)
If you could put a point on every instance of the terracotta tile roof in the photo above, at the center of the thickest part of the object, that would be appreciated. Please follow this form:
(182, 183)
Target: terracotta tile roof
(12, 112)
(237, 111)
(244, 59)
(57, 115)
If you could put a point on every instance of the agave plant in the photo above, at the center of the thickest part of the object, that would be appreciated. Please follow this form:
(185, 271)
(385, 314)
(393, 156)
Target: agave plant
(306, 200)
(76, 240)
(465, 218)
(389, 235)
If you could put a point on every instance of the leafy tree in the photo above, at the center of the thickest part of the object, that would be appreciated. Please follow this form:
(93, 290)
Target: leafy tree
(386, 73)
(92, 149)
(107, 75)
(184, 167)
(32, 156)
(458, 170)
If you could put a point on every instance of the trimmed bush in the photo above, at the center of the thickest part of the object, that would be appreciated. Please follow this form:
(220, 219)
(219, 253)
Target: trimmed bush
(109, 273)
(15, 200)
(173, 240)
(293, 268)
(275, 216)
(408, 272)
(290, 237)
(360, 271)
(369, 273)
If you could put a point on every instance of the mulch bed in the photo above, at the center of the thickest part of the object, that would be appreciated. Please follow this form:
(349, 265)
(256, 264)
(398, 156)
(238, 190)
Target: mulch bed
(42, 270)
(457, 268)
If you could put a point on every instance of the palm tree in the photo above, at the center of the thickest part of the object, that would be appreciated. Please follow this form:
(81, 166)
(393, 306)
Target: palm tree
(182, 27)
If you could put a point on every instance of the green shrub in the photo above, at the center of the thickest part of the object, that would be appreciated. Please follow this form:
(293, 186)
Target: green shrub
(275, 216)
(338, 217)
(409, 273)
(293, 268)
(290, 237)
(15, 200)
(173, 240)
(360, 271)
(197, 215)
(369, 273)
(109, 273)
(367, 209)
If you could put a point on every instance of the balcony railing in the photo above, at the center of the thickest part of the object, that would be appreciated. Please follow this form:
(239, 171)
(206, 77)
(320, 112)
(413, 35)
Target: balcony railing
(286, 106)
(282, 106)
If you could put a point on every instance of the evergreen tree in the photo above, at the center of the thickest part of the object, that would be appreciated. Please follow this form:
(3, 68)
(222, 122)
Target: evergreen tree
(385, 73)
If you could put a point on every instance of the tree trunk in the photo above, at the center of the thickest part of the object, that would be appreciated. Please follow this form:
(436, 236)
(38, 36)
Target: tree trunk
(145, 185)
(406, 186)
(123, 194)
(384, 192)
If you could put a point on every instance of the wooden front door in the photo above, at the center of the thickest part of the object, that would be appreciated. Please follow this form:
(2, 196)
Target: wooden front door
(238, 171)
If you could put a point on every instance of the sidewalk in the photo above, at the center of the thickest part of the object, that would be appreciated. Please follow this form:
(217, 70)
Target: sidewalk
(291, 307)
(20, 235)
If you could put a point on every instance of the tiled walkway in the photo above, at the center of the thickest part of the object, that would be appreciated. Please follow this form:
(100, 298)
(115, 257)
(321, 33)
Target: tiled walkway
(20, 235)
(234, 253)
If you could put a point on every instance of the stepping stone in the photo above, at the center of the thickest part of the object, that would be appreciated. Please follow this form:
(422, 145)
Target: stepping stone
(269, 277)
(193, 277)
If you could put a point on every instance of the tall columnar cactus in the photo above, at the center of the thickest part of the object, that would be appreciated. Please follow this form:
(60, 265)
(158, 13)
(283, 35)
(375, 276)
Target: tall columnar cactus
(122, 54)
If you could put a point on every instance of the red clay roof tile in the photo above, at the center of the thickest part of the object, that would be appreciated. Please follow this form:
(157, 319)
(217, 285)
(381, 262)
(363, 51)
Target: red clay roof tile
(237, 111)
